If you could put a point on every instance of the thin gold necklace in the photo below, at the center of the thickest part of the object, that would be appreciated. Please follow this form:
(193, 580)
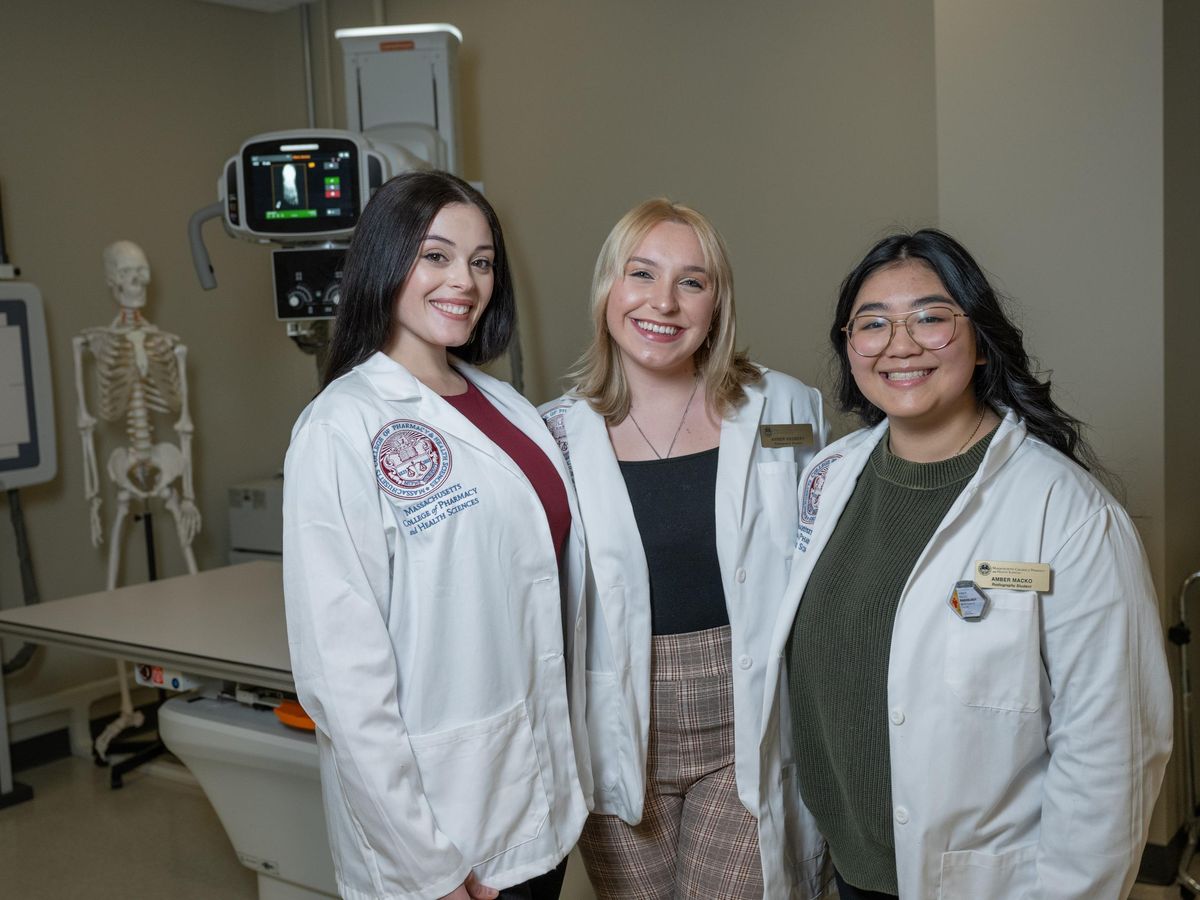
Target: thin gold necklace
(971, 437)
(678, 428)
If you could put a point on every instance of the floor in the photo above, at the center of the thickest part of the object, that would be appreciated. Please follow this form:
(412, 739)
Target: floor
(155, 837)
(77, 838)
(1167, 892)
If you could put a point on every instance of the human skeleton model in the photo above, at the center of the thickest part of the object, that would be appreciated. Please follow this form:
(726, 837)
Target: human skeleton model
(139, 371)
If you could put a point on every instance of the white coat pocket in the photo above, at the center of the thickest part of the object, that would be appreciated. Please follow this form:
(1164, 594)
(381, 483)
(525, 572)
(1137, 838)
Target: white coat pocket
(971, 874)
(483, 784)
(777, 489)
(996, 662)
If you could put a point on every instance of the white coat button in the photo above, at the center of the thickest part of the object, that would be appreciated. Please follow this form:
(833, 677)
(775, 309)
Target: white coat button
(897, 717)
(745, 662)
(741, 575)
(901, 815)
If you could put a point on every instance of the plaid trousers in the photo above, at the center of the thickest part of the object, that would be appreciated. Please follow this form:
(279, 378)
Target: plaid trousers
(696, 839)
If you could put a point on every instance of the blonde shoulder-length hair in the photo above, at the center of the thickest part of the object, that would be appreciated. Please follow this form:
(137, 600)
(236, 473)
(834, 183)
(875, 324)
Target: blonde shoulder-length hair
(598, 376)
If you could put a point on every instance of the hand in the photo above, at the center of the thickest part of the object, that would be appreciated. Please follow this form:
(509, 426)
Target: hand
(189, 521)
(94, 517)
(472, 889)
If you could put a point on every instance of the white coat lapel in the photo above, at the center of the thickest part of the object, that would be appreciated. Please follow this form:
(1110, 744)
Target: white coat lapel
(524, 416)
(462, 428)
(394, 382)
(614, 543)
(734, 463)
(388, 378)
(840, 477)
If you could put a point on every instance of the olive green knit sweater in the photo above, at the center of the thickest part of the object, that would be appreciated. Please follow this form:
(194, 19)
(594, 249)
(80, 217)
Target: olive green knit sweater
(838, 654)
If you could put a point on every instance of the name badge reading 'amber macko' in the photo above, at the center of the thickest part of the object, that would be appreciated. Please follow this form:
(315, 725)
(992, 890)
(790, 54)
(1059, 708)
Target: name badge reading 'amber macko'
(1013, 576)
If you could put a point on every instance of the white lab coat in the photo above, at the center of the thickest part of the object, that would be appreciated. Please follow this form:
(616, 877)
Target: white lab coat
(427, 642)
(1027, 748)
(756, 526)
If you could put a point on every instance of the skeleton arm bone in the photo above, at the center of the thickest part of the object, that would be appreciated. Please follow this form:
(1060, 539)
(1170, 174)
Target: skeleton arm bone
(86, 423)
(189, 515)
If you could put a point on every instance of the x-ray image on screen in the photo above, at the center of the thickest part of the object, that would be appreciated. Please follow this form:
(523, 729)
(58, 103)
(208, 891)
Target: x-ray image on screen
(289, 188)
(295, 187)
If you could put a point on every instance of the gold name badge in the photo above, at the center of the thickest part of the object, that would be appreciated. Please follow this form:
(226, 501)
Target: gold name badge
(1013, 576)
(789, 434)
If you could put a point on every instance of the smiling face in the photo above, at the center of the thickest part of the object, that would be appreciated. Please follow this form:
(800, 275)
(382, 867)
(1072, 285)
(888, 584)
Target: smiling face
(661, 304)
(448, 287)
(929, 390)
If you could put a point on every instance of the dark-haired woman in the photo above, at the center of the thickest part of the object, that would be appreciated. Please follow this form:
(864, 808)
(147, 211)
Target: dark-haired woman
(426, 512)
(968, 685)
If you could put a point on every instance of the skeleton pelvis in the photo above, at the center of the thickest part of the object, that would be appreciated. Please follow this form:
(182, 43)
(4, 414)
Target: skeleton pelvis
(146, 474)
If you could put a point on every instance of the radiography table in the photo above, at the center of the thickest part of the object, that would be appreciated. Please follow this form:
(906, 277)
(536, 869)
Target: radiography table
(225, 623)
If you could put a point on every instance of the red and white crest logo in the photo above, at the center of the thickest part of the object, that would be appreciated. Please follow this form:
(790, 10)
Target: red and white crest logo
(813, 486)
(411, 459)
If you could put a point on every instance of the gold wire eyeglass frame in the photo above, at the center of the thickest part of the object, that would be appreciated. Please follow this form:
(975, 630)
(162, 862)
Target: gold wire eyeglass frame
(893, 321)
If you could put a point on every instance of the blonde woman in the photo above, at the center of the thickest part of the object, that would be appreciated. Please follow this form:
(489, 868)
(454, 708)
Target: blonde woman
(686, 458)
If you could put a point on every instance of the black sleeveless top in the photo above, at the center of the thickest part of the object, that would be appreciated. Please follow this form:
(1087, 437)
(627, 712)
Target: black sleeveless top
(674, 503)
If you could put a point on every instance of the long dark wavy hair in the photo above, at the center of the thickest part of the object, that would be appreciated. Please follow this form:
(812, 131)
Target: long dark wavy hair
(1005, 380)
(382, 253)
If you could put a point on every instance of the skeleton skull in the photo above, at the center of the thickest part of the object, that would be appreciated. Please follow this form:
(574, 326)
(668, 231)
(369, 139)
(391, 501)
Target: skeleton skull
(128, 273)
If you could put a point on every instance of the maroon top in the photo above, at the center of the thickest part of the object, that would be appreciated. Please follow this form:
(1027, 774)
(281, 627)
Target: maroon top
(526, 454)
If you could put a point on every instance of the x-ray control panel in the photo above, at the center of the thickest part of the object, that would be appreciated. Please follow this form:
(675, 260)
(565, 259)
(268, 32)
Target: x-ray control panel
(308, 282)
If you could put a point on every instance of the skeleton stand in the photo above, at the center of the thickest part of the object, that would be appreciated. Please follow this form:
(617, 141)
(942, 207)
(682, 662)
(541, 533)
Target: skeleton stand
(140, 371)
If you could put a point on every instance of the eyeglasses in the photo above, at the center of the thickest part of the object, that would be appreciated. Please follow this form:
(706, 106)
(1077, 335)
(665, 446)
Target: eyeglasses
(931, 328)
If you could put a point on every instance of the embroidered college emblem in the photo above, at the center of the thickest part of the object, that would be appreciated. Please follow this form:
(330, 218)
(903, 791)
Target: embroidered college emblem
(554, 419)
(813, 486)
(411, 459)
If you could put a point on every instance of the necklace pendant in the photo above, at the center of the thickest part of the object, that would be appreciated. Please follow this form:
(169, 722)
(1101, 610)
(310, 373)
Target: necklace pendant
(678, 428)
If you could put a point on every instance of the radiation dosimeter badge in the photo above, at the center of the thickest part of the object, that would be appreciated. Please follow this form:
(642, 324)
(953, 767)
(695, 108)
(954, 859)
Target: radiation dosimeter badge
(300, 187)
(967, 601)
(27, 453)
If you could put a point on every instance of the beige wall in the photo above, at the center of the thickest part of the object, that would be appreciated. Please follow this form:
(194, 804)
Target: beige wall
(1050, 167)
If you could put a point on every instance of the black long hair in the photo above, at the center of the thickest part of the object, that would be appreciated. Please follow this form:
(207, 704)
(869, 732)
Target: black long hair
(1006, 379)
(385, 246)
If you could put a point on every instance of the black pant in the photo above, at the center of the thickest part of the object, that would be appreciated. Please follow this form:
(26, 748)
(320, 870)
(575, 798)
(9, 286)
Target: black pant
(849, 892)
(543, 887)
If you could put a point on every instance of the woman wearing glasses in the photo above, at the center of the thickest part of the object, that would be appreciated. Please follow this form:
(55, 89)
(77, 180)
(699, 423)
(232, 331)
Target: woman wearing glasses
(968, 688)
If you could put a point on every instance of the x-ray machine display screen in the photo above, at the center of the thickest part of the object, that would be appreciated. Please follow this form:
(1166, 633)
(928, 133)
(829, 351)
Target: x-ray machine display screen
(301, 187)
